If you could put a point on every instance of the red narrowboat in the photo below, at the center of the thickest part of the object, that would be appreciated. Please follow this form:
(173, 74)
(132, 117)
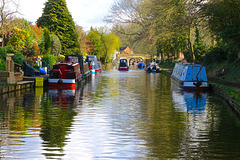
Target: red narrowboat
(64, 75)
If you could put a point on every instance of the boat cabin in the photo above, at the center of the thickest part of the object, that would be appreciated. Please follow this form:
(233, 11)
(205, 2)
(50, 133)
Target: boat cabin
(65, 71)
(190, 76)
(189, 72)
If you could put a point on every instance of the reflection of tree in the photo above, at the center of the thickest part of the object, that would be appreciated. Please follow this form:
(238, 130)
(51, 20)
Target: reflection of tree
(23, 113)
(164, 127)
(57, 119)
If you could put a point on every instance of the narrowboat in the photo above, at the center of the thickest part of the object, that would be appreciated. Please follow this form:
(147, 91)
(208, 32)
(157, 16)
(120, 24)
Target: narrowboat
(141, 65)
(64, 75)
(153, 68)
(84, 67)
(190, 76)
(123, 65)
(94, 65)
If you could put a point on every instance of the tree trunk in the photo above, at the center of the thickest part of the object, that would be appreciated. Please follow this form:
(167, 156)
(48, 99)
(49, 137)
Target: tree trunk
(191, 52)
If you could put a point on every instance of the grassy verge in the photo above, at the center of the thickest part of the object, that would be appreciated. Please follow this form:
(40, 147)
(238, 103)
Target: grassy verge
(232, 92)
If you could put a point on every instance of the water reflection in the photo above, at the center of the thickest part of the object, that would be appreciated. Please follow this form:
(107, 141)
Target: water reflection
(116, 115)
(191, 102)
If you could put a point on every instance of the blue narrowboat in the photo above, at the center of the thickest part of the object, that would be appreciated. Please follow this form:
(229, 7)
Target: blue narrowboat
(190, 76)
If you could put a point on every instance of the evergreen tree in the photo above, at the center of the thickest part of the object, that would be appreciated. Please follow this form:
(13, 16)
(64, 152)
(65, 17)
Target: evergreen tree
(58, 20)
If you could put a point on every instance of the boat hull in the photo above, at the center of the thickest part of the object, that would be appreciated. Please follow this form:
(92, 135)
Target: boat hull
(94, 71)
(123, 68)
(191, 85)
(62, 83)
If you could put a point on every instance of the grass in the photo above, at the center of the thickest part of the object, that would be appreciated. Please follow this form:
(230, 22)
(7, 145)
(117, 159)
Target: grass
(234, 94)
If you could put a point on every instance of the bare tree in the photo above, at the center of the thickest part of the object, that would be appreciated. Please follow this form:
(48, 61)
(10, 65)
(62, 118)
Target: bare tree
(132, 19)
(8, 9)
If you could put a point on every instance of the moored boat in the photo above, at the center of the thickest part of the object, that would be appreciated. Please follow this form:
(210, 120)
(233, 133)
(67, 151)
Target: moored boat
(190, 76)
(94, 66)
(141, 65)
(64, 75)
(123, 66)
(153, 67)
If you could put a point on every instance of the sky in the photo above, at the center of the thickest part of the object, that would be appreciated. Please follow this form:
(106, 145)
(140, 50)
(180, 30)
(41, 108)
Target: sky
(85, 13)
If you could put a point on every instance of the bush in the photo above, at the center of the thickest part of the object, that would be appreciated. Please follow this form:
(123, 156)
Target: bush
(18, 58)
(48, 60)
(216, 54)
(3, 54)
(61, 58)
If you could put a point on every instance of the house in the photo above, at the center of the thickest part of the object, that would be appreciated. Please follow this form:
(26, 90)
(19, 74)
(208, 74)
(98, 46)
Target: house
(125, 50)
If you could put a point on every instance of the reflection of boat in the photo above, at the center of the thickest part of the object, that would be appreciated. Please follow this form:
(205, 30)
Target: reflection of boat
(190, 76)
(93, 64)
(153, 67)
(123, 65)
(193, 102)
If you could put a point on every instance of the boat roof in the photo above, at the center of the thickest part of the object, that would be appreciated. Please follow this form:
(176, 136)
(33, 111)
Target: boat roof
(190, 64)
(67, 63)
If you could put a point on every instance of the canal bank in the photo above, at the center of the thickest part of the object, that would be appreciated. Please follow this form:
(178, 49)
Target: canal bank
(219, 90)
(16, 87)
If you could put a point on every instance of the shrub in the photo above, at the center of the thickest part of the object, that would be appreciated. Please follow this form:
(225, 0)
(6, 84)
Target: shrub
(3, 54)
(61, 58)
(216, 54)
(18, 58)
(48, 60)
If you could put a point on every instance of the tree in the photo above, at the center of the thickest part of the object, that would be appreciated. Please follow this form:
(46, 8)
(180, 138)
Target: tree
(84, 40)
(223, 16)
(133, 21)
(55, 45)
(58, 20)
(94, 42)
(8, 8)
(109, 44)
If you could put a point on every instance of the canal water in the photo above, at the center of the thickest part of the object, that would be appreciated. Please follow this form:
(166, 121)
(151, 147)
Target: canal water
(118, 115)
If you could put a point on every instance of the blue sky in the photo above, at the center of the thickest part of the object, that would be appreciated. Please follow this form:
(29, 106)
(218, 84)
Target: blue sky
(85, 13)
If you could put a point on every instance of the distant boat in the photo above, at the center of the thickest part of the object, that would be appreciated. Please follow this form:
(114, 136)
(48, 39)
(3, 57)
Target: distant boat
(190, 76)
(123, 65)
(93, 64)
(141, 65)
(153, 67)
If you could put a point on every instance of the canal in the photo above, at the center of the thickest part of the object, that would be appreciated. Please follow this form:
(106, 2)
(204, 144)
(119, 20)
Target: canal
(118, 115)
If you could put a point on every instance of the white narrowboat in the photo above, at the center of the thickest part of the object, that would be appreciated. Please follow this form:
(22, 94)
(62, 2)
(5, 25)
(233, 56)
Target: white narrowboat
(190, 76)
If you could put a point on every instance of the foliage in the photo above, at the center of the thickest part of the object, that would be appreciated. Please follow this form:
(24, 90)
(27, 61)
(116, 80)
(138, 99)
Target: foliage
(224, 23)
(18, 40)
(3, 54)
(84, 40)
(58, 20)
(49, 60)
(8, 9)
(61, 58)
(110, 43)
(103, 44)
(55, 45)
(18, 58)
(94, 42)
(37, 32)
(216, 55)
(24, 39)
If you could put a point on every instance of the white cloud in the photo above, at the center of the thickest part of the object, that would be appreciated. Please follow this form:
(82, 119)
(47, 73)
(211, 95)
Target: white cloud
(85, 13)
